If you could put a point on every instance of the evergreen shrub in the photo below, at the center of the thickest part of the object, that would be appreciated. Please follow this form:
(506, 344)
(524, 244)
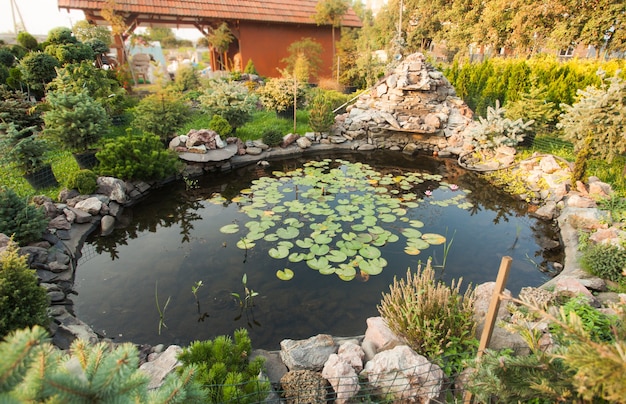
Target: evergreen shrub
(34, 371)
(321, 116)
(16, 108)
(229, 99)
(225, 370)
(24, 221)
(23, 303)
(278, 94)
(137, 157)
(220, 125)
(605, 261)
(161, 114)
(84, 181)
(272, 137)
(75, 121)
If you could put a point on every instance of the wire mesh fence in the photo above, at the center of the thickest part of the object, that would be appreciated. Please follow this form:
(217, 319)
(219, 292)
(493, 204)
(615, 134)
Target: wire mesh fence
(420, 383)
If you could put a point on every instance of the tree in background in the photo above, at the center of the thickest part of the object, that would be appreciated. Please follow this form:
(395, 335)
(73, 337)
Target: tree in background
(596, 123)
(331, 12)
(307, 51)
(220, 39)
(27, 41)
(84, 32)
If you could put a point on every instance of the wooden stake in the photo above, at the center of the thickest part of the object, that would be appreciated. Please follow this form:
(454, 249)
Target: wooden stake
(492, 313)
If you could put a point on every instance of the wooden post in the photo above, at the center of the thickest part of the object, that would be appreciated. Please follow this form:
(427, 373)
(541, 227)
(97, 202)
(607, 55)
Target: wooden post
(492, 313)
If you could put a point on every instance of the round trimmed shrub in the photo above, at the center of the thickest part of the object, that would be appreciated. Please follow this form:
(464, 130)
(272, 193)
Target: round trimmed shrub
(220, 125)
(84, 181)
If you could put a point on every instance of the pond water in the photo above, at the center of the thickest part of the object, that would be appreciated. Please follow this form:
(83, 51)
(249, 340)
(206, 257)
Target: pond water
(388, 212)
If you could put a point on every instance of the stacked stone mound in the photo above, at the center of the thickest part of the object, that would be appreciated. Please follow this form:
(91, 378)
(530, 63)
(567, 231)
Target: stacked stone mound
(414, 106)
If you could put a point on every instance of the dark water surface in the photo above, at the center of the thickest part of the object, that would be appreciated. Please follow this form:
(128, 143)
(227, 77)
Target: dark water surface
(171, 240)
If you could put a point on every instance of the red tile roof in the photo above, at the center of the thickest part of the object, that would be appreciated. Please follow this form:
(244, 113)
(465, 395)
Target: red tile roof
(295, 11)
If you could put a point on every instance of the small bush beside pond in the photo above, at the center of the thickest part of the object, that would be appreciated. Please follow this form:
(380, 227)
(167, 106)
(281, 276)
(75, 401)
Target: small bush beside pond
(137, 157)
(19, 218)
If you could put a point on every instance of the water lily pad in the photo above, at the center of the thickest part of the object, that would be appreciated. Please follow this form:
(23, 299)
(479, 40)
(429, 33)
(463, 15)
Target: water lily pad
(230, 228)
(359, 227)
(369, 252)
(255, 235)
(412, 250)
(417, 243)
(364, 238)
(346, 272)
(348, 236)
(373, 267)
(245, 244)
(278, 252)
(297, 257)
(322, 238)
(287, 232)
(387, 218)
(320, 249)
(337, 256)
(284, 274)
(433, 239)
(411, 233)
(417, 224)
(270, 237)
(305, 243)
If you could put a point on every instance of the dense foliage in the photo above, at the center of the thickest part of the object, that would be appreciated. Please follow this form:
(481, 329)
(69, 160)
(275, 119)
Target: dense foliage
(15, 107)
(220, 125)
(225, 370)
(599, 113)
(520, 27)
(19, 218)
(321, 116)
(278, 94)
(229, 99)
(161, 114)
(75, 121)
(23, 303)
(495, 130)
(23, 149)
(588, 364)
(84, 181)
(506, 80)
(436, 320)
(34, 371)
(133, 157)
(605, 261)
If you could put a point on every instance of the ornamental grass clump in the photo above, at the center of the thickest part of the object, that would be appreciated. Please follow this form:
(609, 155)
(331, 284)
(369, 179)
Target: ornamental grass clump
(436, 320)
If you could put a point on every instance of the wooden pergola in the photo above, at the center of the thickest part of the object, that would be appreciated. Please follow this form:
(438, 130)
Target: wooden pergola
(263, 29)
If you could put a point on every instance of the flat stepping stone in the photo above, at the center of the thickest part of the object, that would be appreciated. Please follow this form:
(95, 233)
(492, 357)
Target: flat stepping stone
(212, 155)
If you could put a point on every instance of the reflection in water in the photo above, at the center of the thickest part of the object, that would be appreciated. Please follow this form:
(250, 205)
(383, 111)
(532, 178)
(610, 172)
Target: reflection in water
(172, 238)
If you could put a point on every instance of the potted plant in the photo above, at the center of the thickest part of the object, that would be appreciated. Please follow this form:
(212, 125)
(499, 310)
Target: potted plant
(25, 151)
(76, 122)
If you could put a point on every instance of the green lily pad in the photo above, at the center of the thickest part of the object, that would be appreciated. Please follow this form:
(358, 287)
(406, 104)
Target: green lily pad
(305, 243)
(230, 228)
(245, 244)
(255, 235)
(411, 233)
(279, 252)
(320, 249)
(369, 252)
(417, 243)
(359, 227)
(287, 232)
(417, 224)
(346, 272)
(373, 267)
(296, 257)
(337, 256)
(270, 237)
(387, 218)
(322, 238)
(284, 274)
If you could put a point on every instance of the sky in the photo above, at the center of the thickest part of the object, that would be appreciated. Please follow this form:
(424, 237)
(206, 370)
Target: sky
(40, 16)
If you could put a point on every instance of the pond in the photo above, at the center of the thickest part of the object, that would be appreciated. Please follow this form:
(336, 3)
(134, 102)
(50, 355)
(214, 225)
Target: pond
(313, 242)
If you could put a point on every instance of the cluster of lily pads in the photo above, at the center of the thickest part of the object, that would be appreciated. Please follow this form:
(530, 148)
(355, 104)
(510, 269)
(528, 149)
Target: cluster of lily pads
(335, 215)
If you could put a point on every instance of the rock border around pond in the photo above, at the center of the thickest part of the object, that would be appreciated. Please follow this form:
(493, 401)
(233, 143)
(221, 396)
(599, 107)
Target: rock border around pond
(76, 216)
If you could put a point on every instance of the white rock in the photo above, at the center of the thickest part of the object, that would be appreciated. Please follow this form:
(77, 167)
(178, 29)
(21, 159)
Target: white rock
(90, 205)
(162, 366)
(404, 375)
(342, 378)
